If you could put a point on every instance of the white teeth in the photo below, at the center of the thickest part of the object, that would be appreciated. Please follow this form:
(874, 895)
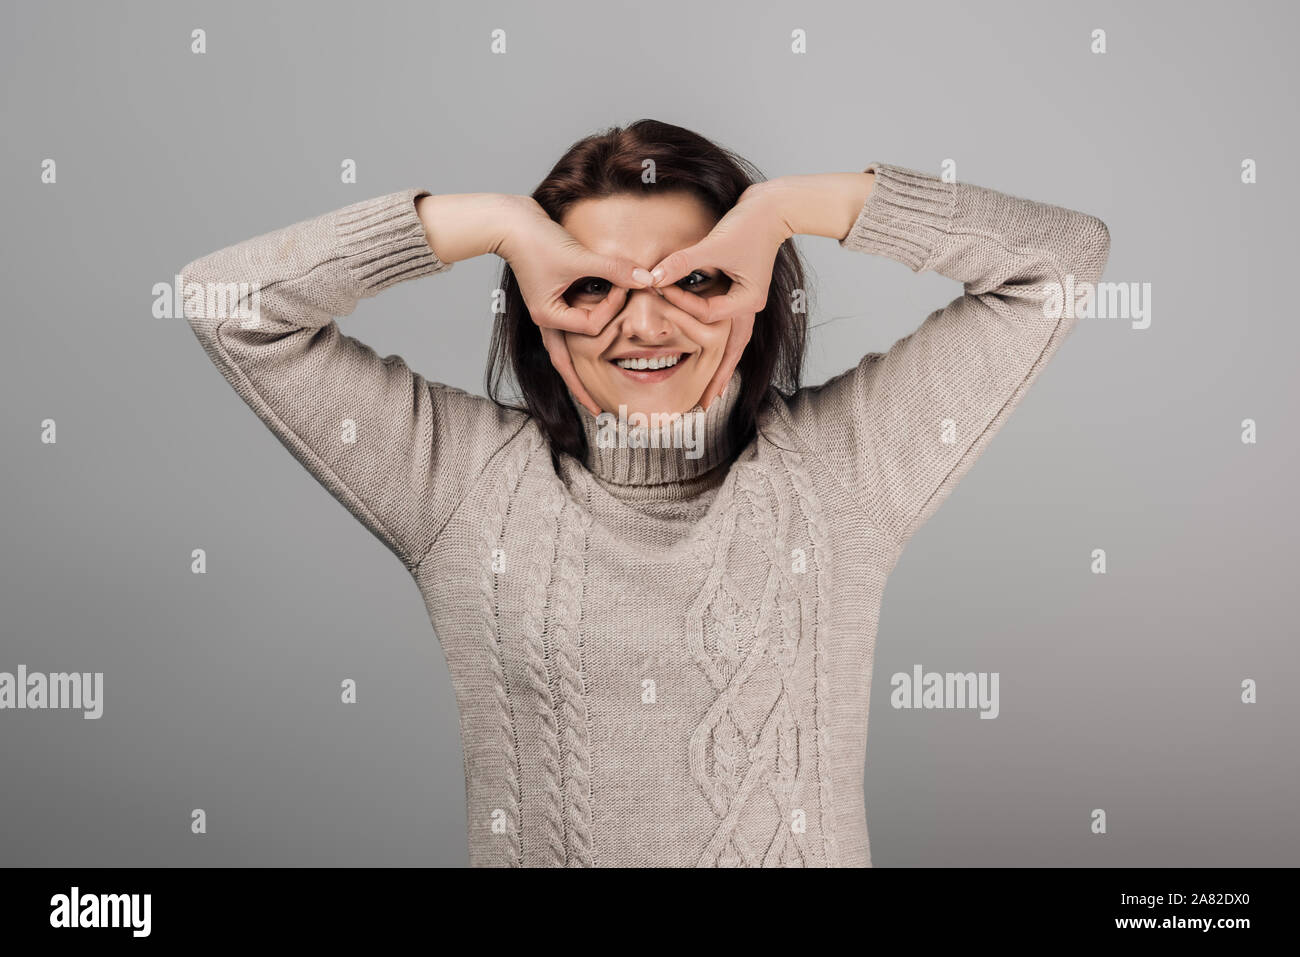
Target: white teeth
(663, 362)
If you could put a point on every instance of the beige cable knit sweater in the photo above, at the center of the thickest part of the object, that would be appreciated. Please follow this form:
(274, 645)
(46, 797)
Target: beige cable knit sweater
(658, 659)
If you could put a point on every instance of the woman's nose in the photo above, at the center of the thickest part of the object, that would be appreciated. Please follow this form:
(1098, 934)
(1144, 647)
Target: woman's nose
(645, 315)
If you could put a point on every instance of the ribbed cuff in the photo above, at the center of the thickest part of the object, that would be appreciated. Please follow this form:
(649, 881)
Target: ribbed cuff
(904, 217)
(383, 241)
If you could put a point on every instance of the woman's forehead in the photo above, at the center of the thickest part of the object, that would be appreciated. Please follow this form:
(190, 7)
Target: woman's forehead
(644, 229)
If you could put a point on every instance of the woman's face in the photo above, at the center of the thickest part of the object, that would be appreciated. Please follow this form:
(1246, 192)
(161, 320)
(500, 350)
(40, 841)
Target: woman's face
(649, 328)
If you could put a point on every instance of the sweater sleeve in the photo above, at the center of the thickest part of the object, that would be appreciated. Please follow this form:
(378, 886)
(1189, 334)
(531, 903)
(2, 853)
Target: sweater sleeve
(399, 452)
(903, 427)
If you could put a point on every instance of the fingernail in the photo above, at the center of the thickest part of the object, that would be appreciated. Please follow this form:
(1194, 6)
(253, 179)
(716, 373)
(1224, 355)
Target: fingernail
(642, 276)
(657, 273)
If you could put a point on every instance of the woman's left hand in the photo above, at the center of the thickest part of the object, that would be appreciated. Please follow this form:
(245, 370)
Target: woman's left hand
(743, 244)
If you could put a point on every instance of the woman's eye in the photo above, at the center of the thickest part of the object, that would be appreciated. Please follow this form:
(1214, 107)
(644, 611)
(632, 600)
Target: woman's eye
(591, 288)
(696, 280)
(595, 288)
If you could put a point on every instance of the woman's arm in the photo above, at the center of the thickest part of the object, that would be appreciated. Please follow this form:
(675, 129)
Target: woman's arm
(399, 452)
(902, 428)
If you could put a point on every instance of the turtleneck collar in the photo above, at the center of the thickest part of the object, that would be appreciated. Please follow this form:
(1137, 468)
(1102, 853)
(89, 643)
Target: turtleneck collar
(620, 448)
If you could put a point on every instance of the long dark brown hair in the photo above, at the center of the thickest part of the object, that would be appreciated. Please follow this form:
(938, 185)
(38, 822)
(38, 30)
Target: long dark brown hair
(611, 163)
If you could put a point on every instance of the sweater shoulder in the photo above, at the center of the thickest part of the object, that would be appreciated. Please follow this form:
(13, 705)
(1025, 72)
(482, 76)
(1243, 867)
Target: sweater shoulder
(785, 437)
(497, 439)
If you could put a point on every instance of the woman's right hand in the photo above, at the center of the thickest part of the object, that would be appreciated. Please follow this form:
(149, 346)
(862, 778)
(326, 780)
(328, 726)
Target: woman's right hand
(547, 261)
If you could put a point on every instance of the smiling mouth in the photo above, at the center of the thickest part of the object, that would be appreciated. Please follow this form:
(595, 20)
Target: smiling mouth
(651, 368)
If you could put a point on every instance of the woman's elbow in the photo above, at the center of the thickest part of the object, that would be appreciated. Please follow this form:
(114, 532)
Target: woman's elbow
(1092, 249)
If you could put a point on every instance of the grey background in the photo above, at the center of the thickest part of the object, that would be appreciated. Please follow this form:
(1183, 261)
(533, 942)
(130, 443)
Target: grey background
(1118, 692)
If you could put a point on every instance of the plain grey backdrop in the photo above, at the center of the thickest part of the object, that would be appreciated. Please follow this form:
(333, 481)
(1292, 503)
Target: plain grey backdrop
(1119, 691)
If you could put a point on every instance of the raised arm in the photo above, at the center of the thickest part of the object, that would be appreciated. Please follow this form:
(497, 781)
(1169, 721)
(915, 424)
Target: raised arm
(902, 428)
(399, 452)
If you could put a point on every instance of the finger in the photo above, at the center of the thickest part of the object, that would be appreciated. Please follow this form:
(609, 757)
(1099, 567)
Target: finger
(619, 271)
(726, 368)
(608, 308)
(558, 350)
(587, 322)
(676, 265)
(741, 332)
(563, 363)
(696, 306)
(739, 301)
(561, 317)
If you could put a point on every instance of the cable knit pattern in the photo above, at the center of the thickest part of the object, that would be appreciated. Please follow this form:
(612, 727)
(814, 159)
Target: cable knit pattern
(761, 642)
(570, 572)
(494, 554)
(540, 576)
(658, 658)
(813, 516)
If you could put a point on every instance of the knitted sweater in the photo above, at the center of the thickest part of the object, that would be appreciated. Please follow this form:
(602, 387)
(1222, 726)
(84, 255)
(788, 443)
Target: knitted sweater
(658, 659)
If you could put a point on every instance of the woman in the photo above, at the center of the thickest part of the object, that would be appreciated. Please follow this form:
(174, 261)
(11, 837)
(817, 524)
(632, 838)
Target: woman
(661, 650)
